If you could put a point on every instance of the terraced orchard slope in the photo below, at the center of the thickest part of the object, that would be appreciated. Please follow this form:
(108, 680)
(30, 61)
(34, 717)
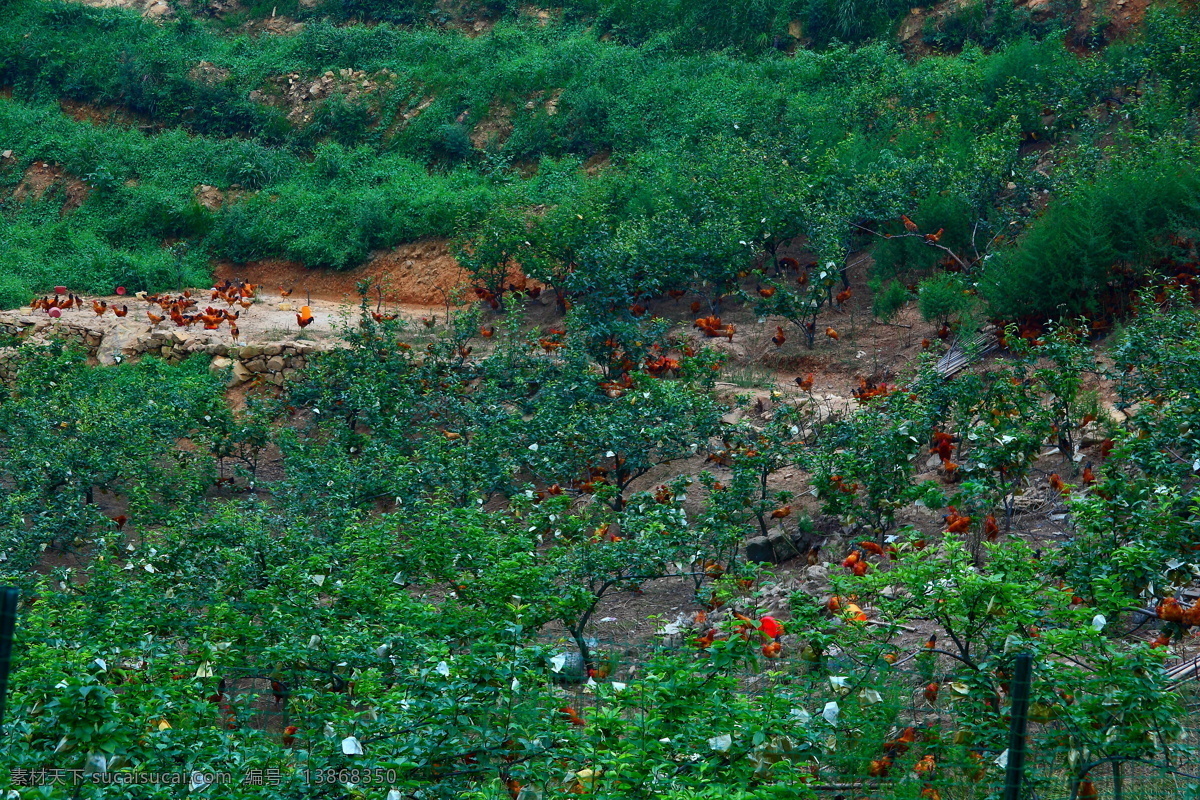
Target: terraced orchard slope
(441, 399)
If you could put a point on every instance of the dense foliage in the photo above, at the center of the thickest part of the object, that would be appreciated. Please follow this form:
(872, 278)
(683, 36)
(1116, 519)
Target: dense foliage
(642, 162)
(388, 600)
(396, 563)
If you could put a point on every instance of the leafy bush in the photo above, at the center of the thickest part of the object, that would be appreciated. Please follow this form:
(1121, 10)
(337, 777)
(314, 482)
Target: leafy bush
(990, 24)
(400, 12)
(13, 292)
(942, 297)
(1103, 236)
(888, 299)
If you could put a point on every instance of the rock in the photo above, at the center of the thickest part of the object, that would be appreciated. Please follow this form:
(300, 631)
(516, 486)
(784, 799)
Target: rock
(272, 349)
(240, 373)
(220, 364)
(782, 546)
(251, 350)
(275, 378)
(275, 364)
(759, 549)
(817, 572)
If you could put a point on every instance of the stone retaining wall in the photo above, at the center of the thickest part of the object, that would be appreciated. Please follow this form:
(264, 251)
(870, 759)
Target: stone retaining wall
(274, 362)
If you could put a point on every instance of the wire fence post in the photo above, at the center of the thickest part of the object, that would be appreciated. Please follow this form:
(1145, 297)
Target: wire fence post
(1014, 771)
(8, 624)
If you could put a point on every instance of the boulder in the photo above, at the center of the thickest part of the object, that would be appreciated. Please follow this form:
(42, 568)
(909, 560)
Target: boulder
(760, 550)
(783, 546)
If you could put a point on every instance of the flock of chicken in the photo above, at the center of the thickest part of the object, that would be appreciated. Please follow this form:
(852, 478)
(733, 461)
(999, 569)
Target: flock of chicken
(182, 309)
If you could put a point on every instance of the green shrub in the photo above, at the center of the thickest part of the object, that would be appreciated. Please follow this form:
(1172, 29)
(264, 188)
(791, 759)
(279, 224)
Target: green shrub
(1070, 255)
(988, 23)
(13, 292)
(942, 297)
(889, 298)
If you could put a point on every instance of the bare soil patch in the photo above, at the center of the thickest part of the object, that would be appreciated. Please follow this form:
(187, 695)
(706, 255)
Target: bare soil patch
(420, 274)
(41, 176)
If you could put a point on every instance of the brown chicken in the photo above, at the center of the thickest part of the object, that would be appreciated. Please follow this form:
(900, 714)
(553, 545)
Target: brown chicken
(879, 767)
(955, 522)
(943, 445)
(899, 746)
(779, 338)
(909, 225)
(831, 333)
(571, 715)
(805, 383)
(305, 317)
(991, 530)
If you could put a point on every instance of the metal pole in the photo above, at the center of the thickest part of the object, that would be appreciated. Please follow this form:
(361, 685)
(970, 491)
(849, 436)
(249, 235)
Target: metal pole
(1015, 769)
